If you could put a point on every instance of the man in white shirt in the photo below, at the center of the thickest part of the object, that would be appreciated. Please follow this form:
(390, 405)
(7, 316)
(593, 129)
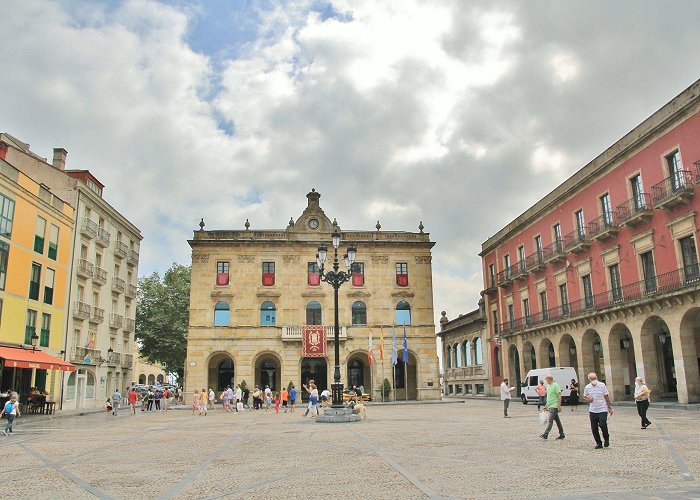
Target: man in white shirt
(596, 393)
(238, 396)
(505, 396)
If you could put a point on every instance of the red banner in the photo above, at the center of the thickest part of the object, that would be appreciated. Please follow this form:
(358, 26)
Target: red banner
(313, 342)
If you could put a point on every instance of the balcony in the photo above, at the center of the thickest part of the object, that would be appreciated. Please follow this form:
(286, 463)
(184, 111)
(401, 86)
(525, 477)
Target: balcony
(88, 228)
(121, 250)
(603, 228)
(294, 333)
(103, 237)
(683, 278)
(519, 270)
(129, 325)
(504, 278)
(127, 360)
(674, 190)
(131, 291)
(115, 320)
(99, 276)
(554, 252)
(81, 310)
(114, 359)
(97, 316)
(491, 289)
(635, 211)
(85, 355)
(133, 258)
(576, 241)
(84, 269)
(118, 285)
(535, 262)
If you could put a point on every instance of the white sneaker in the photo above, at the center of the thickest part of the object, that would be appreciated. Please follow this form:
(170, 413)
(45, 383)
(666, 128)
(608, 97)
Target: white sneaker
(4, 432)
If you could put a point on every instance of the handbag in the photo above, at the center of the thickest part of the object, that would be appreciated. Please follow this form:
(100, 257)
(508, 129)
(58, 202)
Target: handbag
(544, 417)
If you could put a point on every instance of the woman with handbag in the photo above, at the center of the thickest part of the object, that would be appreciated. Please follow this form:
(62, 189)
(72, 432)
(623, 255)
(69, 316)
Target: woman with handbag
(641, 396)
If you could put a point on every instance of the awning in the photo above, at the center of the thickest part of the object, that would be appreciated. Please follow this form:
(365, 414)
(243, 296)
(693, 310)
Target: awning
(24, 358)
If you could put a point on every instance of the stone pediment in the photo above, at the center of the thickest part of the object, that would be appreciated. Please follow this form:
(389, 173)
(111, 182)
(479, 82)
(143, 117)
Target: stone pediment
(269, 294)
(314, 294)
(359, 294)
(313, 219)
(403, 295)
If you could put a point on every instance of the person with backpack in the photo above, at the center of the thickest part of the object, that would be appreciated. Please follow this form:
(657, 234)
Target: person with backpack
(157, 397)
(11, 410)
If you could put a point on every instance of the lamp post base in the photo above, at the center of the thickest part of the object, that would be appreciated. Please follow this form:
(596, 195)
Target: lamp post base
(341, 415)
(337, 394)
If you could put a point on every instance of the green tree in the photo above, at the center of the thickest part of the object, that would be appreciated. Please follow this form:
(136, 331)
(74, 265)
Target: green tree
(162, 317)
(386, 388)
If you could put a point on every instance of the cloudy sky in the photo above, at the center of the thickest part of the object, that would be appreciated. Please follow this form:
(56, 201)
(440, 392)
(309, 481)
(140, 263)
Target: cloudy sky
(460, 114)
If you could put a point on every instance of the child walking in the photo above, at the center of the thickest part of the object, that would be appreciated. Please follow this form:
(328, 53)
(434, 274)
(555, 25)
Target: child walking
(277, 402)
(11, 410)
(196, 402)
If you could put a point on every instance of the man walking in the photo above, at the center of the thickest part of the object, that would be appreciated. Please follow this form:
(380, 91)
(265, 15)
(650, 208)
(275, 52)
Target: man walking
(596, 393)
(505, 396)
(133, 397)
(553, 406)
(116, 398)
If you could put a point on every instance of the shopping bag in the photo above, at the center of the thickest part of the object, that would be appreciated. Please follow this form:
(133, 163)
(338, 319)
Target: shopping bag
(239, 406)
(544, 417)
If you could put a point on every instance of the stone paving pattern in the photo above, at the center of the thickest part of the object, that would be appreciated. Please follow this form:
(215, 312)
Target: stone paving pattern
(455, 450)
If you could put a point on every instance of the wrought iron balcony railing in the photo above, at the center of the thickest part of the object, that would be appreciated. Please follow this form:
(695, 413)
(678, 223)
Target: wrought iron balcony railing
(604, 227)
(576, 241)
(103, 237)
(673, 190)
(635, 211)
(535, 261)
(88, 228)
(99, 276)
(505, 277)
(84, 268)
(554, 252)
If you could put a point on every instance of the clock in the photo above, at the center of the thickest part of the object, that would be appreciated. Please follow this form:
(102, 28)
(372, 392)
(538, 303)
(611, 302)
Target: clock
(313, 223)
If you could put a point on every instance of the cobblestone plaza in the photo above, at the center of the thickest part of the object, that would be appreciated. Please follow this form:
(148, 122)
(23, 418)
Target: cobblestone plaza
(455, 450)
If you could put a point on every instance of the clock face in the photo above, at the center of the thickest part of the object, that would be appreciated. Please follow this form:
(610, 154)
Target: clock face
(313, 223)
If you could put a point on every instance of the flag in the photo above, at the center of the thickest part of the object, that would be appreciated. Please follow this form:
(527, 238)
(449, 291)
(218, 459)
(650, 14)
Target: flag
(381, 343)
(369, 353)
(394, 352)
(405, 345)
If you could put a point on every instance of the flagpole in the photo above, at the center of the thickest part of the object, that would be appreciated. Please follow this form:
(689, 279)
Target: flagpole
(394, 381)
(405, 381)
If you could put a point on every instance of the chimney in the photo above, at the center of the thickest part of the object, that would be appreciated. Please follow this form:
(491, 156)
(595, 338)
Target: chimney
(3, 150)
(59, 158)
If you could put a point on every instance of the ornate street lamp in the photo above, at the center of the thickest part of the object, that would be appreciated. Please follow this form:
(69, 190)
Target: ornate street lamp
(626, 343)
(663, 335)
(336, 278)
(596, 346)
(35, 341)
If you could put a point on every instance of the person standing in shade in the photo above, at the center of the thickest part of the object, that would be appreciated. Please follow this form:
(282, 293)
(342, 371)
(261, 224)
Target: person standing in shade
(573, 396)
(506, 396)
(553, 406)
(541, 391)
(598, 397)
(116, 399)
(641, 396)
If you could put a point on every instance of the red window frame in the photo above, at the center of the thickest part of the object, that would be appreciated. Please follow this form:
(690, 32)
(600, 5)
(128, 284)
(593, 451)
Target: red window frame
(222, 273)
(402, 274)
(314, 275)
(268, 273)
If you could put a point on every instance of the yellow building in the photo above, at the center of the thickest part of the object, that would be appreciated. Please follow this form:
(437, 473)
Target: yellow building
(35, 249)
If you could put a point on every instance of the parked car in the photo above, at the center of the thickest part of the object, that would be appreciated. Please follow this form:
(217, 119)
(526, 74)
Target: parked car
(561, 375)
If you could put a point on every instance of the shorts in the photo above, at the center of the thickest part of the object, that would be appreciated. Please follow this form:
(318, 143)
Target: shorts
(292, 401)
(284, 403)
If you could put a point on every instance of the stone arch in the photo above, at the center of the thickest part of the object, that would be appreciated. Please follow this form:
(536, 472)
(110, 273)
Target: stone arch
(621, 362)
(151, 379)
(142, 379)
(690, 352)
(514, 375)
(592, 354)
(358, 371)
(478, 348)
(220, 370)
(657, 356)
(316, 369)
(529, 358)
(267, 367)
(547, 357)
(411, 384)
(568, 353)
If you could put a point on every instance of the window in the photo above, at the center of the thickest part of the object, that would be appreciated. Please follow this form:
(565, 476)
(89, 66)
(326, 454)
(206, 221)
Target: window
(494, 320)
(313, 313)
(556, 231)
(506, 263)
(564, 299)
(511, 317)
(39, 235)
(314, 274)
(458, 389)
(34, 279)
(222, 314)
(459, 356)
(222, 277)
(648, 273)
(526, 310)
(543, 305)
(580, 225)
(675, 170)
(449, 356)
(358, 274)
(587, 291)
(606, 209)
(403, 313)
(638, 192)
(690, 258)
(402, 273)
(521, 258)
(615, 283)
(48, 285)
(359, 313)
(7, 213)
(53, 242)
(538, 247)
(268, 314)
(478, 355)
(45, 330)
(4, 257)
(268, 273)
(468, 353)
(492, 276)
(497, 364)
(30, 329)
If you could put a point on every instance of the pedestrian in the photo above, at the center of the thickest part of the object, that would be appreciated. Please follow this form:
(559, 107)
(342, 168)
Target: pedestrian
(203, 396)
(246, 396)
(196, 402)
(149, 405)
(641, 396)
(268, 402)
(212, 398)
(157, 396)
(133, 398)
(292, 398)
(116, 399)
(10, 410)
(256, 398)
(506, 396)
(268, 392)
(238, 396)
(553, 406)
(285, 398)
(166, 399)
(573, 396)
(541, 391)
(225, 399)
(277, 402)
(313, 400)
(598, 397)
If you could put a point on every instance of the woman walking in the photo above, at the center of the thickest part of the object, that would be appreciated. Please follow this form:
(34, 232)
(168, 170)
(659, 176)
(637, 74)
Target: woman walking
(573, 397)
(204, 402)
(212, 398)
(313, 400)
(196, 402)
(641, 396)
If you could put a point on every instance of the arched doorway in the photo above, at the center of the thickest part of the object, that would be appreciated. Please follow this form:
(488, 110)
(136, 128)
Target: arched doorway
(657, 357)
(529, 358)
(404, 384)
(514, 375)
(690, 352)
(268, 372)
(160, 378)
(315, 369)
(568, 353)
(592, 355)
(142, 379)
(151, 379)
(623, 368)
(547, 356)
(358, 371)
(220, 371)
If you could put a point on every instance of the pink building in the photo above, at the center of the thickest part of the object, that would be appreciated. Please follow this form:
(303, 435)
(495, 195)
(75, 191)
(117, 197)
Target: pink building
(602, 273)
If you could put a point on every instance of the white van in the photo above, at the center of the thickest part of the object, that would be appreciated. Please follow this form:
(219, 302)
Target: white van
(561, 375)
